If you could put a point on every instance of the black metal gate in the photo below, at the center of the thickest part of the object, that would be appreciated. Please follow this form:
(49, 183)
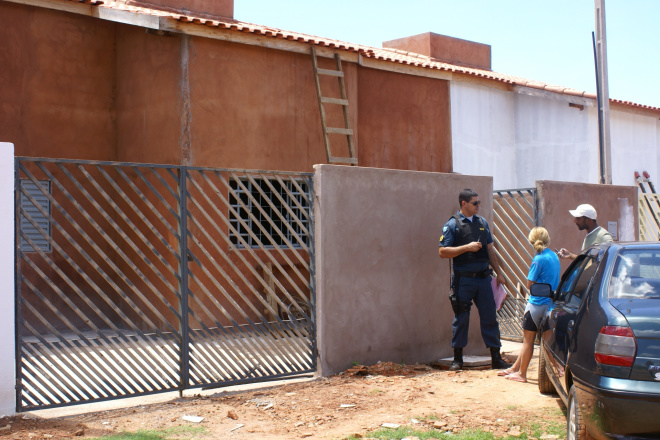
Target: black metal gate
(136, 279)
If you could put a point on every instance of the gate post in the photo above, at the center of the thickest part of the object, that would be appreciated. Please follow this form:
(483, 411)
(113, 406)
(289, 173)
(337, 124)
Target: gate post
(183, 283)
(7, 293)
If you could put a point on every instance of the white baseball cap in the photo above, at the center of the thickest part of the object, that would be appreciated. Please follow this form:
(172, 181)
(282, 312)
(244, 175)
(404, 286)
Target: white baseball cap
(584, 211)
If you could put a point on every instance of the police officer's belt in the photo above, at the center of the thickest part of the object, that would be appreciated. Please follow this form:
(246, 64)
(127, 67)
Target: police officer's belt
(482, 274)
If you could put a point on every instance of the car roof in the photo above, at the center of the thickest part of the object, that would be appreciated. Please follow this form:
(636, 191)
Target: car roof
(630, 244)
(614, 247)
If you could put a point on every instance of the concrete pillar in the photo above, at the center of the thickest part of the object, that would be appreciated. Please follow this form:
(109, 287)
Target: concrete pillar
(7, 327)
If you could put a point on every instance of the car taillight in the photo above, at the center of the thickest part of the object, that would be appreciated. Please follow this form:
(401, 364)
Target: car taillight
(616, 346)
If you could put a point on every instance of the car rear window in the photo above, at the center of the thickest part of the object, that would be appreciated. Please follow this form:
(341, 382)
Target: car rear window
(636, 274)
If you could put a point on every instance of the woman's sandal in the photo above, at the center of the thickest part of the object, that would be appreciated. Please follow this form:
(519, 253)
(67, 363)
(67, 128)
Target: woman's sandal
(505, 372)
(517, 377)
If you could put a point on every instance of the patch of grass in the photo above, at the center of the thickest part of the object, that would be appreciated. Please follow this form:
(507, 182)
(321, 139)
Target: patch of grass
(537, 429)
(559, 411)
(406, 431)
(139, 435)
(189, 430)
(431, 417)
(538, 426)
(532, 430)
(376, 391)
(179, 432)
(512, 407)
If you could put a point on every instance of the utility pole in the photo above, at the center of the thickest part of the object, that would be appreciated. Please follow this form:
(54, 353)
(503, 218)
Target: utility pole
(603, 95)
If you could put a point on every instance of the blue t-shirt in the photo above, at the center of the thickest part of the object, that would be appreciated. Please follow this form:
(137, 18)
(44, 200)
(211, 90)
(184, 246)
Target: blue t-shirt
(545, 268)
(449, 235)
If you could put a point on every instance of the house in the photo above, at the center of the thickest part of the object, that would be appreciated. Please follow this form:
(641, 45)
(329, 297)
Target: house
(185, 83)
(123, 82)
(187, 88)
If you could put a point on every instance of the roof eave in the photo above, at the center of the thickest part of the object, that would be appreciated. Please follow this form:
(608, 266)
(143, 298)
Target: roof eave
(245, 33)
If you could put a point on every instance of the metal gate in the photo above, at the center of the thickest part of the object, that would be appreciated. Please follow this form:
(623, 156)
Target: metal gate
(649, 216)
(514, 215)
(135, 279)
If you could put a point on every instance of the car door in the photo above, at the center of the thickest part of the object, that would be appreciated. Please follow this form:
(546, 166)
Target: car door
(558, 336)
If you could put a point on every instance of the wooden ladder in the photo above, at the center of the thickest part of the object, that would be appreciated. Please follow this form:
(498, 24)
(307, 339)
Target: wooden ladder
(352, 160)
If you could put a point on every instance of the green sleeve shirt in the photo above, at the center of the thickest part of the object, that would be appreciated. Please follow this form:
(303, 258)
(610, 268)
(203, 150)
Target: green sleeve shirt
(598, 235)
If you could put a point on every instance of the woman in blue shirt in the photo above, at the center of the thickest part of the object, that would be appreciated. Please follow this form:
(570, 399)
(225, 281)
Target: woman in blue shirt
(545, 268)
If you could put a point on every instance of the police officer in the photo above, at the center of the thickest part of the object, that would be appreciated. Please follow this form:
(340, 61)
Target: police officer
(466, 238)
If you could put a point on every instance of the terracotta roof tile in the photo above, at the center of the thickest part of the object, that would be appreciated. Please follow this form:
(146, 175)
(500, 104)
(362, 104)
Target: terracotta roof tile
(555, 89)
(630, 103)
(383, 54)
(573, 92)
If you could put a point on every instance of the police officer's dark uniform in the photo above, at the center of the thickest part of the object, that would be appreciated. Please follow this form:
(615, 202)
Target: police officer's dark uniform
(471, 282)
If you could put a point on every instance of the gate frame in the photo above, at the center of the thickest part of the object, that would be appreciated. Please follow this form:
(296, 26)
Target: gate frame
(183, 270)
(513, 308)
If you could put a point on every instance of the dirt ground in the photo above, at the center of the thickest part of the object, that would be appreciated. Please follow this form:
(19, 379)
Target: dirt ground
(354, 402)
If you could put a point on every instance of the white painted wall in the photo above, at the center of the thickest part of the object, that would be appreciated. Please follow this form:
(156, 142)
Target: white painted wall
(553, 140)
(483, 137)
(635, 144)
(7, 350)
(525, 135)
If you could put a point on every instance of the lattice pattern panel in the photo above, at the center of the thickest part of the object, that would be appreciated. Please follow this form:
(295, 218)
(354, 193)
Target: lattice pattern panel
(514, 215)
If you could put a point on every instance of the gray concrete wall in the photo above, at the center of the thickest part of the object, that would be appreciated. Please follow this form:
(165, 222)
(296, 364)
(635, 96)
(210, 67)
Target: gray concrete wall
(382, 289)
(613, 204)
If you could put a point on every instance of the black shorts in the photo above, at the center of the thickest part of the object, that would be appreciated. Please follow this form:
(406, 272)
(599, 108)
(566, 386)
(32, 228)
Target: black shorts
(528, 323)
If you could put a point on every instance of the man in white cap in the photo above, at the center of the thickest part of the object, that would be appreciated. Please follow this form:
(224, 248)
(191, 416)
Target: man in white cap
(585, 218)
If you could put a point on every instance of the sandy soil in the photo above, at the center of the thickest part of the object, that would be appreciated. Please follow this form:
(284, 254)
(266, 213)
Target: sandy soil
(354, 402)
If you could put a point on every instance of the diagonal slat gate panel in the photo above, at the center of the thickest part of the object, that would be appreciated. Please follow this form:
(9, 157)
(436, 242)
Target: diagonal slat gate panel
(98, 288)
(514, 215)
(250, 297)
(649, 217)
(137, 279)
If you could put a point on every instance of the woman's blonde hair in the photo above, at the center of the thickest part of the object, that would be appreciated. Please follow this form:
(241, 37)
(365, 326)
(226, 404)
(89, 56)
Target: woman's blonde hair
(539, 239)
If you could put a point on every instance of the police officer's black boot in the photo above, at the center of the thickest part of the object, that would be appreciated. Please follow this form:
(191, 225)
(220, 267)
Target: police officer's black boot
(457, 364)
(497, 361)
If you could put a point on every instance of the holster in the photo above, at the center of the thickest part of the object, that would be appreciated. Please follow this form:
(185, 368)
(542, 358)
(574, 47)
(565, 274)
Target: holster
(453, 293)
(456, 305)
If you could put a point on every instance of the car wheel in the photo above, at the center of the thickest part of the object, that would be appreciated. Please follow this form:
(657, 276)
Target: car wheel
(545, 384)
(575, 429)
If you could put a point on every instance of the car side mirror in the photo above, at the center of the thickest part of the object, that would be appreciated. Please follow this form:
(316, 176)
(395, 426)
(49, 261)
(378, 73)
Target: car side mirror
(543, 290)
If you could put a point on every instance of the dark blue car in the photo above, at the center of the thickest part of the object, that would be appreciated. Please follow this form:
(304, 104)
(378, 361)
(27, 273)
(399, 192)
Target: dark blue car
(600, 342)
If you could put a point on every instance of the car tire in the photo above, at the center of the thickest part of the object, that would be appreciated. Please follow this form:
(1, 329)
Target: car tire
(545, 384)
(575, 429)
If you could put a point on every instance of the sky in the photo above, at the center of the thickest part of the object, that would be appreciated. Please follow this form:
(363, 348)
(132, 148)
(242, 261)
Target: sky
(547, 41)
